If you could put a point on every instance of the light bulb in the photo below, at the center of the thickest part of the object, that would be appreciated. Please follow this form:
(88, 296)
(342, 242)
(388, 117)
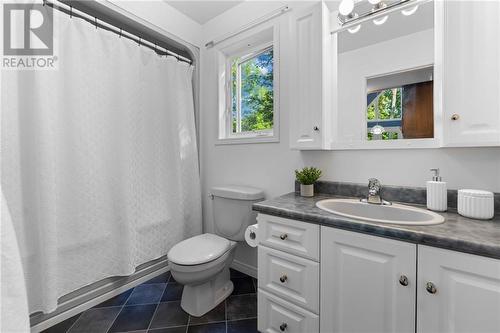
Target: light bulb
(355, 29)
(410, 11)
(374, 2)
(346, 7)
(380, 21)
(377, 129)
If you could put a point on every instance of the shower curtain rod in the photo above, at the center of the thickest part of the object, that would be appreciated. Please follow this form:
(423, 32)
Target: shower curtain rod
(68, 9)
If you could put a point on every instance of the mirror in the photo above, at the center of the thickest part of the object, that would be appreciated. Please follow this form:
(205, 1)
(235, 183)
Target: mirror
(385, 65)
(400, 105)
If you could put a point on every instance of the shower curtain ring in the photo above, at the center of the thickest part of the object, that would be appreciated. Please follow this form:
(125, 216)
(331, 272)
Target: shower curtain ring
(120, 32)
(44, 2)
(70, 11)
(95, 18)
(139, 42)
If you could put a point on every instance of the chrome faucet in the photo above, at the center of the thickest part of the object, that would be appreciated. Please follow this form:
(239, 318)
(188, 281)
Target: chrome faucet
(374, 197)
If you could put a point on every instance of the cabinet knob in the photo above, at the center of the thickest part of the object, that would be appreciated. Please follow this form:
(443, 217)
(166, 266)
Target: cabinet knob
(455, 116)
(316, 128)
(283, 278)
(430, 287)
(403, 280)
(283, 236)
(283, 327)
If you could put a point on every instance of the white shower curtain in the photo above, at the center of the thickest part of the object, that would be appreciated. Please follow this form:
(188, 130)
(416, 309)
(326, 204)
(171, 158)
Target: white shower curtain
(99, 160)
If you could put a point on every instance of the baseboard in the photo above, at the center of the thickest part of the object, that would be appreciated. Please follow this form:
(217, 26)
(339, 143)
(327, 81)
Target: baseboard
(60, 317)
(244, 268)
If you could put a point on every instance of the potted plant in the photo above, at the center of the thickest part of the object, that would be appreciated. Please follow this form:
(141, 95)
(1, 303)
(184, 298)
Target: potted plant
(307, 177)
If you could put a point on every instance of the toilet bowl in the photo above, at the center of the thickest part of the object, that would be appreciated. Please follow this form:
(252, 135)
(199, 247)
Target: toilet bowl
(201, 263)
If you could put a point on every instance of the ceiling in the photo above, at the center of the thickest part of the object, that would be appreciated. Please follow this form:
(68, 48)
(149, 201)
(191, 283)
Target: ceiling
(202, 11)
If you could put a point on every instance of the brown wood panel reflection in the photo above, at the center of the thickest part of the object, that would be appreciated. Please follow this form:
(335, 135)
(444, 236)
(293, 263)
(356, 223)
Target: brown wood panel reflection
(418, 111)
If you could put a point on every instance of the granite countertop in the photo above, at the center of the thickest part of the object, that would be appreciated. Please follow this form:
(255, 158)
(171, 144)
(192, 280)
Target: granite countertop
(481, 237)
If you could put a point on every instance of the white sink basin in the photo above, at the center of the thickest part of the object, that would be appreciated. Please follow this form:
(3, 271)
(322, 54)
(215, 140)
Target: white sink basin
(394, 214)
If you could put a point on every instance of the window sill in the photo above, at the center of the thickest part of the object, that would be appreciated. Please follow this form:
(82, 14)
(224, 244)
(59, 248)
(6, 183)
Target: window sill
(247, 140)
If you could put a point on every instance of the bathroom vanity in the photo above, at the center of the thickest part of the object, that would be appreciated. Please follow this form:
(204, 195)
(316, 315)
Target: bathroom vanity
(320, 272)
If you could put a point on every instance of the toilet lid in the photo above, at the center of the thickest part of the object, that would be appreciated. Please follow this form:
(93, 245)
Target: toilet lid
(198, 249)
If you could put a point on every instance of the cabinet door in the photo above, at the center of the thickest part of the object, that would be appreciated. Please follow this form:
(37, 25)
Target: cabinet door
(367, 283)
(471, 78)
(309, 126)
(466, 294)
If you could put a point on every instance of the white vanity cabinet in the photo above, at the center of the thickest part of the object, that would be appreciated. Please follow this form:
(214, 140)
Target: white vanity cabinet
(288, 275)
(310, 117)
(471, 73)
(367, 283)
(323, 279)
(457, 292)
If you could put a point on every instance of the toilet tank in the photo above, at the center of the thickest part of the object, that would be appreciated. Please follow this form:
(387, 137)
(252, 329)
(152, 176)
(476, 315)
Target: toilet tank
(232, 210)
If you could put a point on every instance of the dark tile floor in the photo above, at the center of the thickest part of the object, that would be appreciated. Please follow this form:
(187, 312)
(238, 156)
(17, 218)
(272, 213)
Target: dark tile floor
(155, 307)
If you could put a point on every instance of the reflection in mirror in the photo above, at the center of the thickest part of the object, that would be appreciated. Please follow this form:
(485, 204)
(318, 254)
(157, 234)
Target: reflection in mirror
(400, 106)
(385, 62)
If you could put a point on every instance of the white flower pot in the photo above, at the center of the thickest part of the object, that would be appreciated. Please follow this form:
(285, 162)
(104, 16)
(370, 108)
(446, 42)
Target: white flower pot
(307, 190)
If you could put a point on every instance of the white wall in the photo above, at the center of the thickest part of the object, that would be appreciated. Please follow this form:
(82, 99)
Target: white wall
(164, 16)
(270, 165)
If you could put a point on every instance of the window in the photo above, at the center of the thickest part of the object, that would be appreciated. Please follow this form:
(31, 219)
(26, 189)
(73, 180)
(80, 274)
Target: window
(384, 113)
(400, 105)
(252, 104)
(249, 87)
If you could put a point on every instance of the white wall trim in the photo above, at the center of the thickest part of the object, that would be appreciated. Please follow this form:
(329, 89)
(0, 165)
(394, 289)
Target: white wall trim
(94, 301)
(244, 268)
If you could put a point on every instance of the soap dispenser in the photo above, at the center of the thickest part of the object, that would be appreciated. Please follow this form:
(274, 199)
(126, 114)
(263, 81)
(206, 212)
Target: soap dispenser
(437, 193)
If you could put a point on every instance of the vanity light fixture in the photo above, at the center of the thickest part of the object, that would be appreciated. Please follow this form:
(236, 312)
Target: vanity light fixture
(355, 29)
(377, 129)
(347, 10)
(409, 11)
(380, 20)
(346, 7)
(377, 5)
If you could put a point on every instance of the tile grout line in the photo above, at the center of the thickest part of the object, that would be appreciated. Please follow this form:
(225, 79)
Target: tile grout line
(71, 326)
(158, 304)
(225, 311)
(123, 305)
(189, 319)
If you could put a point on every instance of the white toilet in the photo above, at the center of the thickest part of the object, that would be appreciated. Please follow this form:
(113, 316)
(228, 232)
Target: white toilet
(201, 263)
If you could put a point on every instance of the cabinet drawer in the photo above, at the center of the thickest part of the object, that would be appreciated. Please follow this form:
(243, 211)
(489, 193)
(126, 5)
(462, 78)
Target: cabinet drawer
(276, 315)
(291, 236)
(290, 277)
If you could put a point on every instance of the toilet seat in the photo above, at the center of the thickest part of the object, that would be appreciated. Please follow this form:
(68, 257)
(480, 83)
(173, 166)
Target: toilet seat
(198, 250)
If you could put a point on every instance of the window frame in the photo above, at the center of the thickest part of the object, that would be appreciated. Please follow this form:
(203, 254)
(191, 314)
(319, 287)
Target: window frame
(254, 53)
(231, 49)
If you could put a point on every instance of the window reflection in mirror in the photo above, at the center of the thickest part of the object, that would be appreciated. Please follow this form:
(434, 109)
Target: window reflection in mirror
(400, 106)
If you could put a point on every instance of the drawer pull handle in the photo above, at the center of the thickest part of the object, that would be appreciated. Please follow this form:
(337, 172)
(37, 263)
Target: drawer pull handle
(283, 327)
(283, 236)
(430, 287)
(283, 278)
(455, 117)
(403, 280)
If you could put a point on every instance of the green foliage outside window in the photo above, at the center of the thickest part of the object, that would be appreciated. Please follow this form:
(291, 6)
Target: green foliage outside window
(256, 92)
(389, 104)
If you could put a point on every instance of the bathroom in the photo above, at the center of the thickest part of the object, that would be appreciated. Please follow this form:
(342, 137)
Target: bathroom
(300, 166)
